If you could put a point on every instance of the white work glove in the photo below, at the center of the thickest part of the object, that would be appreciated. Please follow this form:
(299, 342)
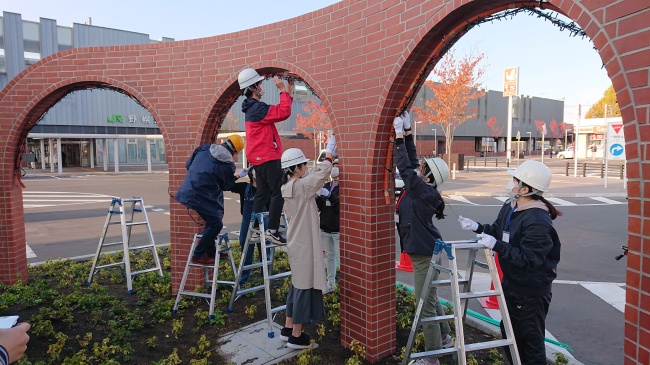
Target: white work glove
(324, 192)
(486, 240)
(398, 124)
(243, 172)
(331, 145)
(407, 119)
(467, 224)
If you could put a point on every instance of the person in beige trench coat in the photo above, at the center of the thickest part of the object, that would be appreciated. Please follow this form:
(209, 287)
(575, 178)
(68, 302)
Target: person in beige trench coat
(308, 279)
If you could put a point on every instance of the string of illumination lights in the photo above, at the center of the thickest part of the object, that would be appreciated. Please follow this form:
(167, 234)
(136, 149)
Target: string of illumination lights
(573, 29)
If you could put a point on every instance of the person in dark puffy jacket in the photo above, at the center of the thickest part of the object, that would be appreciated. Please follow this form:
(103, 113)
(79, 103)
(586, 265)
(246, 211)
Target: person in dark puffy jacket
(328, 206)
(418, 204)
(210, 171)
(529, 252)
(263, 147)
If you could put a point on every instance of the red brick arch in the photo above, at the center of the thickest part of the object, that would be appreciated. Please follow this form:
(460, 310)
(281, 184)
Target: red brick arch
(362, 59)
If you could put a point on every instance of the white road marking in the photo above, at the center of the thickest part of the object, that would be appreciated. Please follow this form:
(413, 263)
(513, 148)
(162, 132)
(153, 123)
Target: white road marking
(460, 198)
(609, 292)
(501, 198)
(30, 252)
(560, 202)
(606, 200)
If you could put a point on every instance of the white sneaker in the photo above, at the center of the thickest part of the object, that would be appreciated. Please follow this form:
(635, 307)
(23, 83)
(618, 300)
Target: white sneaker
(447, 341)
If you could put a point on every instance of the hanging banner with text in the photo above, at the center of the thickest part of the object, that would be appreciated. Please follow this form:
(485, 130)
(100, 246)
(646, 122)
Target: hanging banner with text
(615, 141)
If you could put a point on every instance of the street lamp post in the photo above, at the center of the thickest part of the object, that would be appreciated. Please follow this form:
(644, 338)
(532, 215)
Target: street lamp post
(530, 145)
(415, 134)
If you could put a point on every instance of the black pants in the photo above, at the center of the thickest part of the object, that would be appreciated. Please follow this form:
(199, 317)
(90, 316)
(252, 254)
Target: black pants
(207, 246)
(528, 316)
(268, 177)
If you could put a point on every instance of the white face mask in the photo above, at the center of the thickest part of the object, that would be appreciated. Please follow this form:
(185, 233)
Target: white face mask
(510, 185)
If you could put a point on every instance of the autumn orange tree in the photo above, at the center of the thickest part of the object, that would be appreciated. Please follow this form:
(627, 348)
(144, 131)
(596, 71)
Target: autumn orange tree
(314, 124)
(229, 124)
(495, 129)
(457, 84)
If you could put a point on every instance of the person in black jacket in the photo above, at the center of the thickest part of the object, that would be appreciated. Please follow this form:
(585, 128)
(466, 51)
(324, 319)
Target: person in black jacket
(210, 171)
(328, 205)
(418, 204)
(529, 252)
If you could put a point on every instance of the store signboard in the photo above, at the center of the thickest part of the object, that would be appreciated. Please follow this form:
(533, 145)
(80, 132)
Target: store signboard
(615, 141)
(511, 81)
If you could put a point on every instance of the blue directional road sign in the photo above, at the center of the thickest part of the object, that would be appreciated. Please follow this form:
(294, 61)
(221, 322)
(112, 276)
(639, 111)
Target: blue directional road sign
(616, 149)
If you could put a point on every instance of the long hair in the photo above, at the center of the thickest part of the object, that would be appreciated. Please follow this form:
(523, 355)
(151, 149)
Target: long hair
(552, 210)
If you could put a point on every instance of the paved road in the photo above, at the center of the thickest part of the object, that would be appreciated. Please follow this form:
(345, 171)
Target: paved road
(64, 218)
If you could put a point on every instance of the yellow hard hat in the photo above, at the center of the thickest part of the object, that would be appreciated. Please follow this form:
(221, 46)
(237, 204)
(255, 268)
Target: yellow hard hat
(235, 142)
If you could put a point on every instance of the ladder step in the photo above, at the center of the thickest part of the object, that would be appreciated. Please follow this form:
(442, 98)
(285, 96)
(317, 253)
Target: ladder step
(141, 247)
(144, 271)
(479, 294)
(487, 345)
(109, 265)
(448, 317)
(447, 282)
(278, 309)
(280, 275)
(433, 353)
(481, 264)
(253, 266)
(131, 200)
(136, 223)
(106, 244)
(195, 294)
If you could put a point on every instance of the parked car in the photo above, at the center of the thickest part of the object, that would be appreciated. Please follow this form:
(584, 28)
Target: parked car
(565, 154)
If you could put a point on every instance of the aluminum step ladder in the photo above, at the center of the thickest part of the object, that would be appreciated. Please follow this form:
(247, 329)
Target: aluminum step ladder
(223, 246)
(266, 264)
(126, 222)
(460, 292)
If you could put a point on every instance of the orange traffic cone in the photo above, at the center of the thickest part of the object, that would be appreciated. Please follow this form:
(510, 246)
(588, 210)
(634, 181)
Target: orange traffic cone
(405, 263)
(492, 302)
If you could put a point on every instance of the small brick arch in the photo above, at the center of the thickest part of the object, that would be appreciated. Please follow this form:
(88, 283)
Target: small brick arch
(361, 58)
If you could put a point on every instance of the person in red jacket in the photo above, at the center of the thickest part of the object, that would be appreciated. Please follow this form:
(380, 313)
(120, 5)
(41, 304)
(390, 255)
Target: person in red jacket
(263, 145)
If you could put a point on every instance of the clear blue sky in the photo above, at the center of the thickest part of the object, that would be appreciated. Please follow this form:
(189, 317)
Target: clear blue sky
(551, 63)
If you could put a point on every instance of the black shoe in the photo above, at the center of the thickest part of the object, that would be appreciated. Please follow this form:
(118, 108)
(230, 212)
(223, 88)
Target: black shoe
(302, 342)
(285, 333)
(276, 237)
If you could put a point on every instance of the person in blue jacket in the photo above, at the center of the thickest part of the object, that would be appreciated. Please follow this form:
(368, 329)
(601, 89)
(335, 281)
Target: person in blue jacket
(418, 204)
(529, 252)
(210, 171)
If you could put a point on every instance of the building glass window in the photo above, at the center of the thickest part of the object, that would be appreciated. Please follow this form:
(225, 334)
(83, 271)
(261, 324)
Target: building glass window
(31, 39)
(64, 37)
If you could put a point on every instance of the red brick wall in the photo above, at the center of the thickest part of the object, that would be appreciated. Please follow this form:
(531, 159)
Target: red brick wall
(361, 58)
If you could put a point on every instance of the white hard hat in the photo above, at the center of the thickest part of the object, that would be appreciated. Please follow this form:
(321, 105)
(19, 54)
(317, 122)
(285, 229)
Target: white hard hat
(248, 77)
(292, 157)
(439, 169)
(534, 173)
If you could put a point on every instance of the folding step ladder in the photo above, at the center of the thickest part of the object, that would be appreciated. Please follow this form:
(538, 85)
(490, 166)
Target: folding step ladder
(460, 308)
(223, 246)
(266, 265)
(117, 208)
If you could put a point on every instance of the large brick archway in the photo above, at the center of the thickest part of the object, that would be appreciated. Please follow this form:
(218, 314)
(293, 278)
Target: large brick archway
(362, 60)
